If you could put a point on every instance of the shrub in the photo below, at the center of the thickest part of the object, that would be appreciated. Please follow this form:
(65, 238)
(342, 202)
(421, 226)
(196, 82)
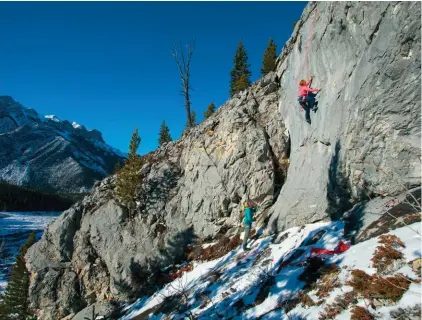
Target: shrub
(221, 248)
(305, 300)
(386, 255)
(341, 303)
(391, 239)
(390, 288)
(359, 313)
(328, 281)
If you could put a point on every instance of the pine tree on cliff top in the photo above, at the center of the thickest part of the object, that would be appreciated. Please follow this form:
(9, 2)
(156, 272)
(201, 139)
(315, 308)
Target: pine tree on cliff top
(129, 178)
(210, 110)
(269, 59)
(164, 134)
(240, 74)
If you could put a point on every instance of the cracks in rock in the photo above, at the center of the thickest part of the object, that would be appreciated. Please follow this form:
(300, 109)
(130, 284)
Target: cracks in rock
(325, 143)
(342, 26)
(216, 168)
(375, 32)
(346, 9)
(325, 29)
(329, 22)
(280, 175)
(299, 46)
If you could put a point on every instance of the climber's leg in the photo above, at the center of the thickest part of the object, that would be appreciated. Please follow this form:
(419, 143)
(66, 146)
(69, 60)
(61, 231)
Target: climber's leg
(315, 106)
(310, 100)
(311, 97)
(307, 115)
(247, 229)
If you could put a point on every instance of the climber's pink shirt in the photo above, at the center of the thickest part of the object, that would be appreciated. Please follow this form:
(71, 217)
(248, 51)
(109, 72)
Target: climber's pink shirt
(303, 90)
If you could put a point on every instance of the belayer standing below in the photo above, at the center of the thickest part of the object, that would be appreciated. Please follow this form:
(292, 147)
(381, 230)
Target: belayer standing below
(249, 209)
(307, 97)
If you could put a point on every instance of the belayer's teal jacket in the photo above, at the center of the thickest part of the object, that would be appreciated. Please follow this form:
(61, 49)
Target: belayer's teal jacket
(249, 212)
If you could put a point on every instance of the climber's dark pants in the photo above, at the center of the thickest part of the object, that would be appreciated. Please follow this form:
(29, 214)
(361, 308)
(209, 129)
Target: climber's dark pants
(247, 229)
(307, 104)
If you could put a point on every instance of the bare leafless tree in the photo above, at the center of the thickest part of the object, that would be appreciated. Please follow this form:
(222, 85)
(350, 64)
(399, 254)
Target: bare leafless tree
(183, 61)
(179, 290)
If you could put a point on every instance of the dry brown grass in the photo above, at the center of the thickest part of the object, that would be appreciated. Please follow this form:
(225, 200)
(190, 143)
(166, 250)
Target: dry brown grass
(341, 303)
(389, 288)
(328, 281)
(305, 300)
(221, 248)
(391, 239)
(359, 313)
(387, 254)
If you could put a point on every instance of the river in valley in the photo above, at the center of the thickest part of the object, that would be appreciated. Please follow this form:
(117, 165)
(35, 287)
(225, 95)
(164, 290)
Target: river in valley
(15, 227)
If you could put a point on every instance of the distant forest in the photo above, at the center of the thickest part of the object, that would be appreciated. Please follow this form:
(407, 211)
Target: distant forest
(16, 198)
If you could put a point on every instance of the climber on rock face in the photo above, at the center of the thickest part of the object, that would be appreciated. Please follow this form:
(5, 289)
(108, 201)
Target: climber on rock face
(249, 209)
(307, 97)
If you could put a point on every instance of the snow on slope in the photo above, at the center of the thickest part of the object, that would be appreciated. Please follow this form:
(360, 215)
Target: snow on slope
(231, 285)
(76, 125)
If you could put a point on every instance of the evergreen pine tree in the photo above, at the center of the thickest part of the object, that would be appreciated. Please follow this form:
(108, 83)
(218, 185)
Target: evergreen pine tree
(270, 56)
(164, 134)
(240, 74)
(210, 110)
(15, 303)
(129, 178)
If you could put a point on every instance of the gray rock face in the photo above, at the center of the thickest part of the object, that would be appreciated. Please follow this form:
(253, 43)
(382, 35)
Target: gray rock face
(192, 190)
(49, 154)
(366, 56)
(366, 132)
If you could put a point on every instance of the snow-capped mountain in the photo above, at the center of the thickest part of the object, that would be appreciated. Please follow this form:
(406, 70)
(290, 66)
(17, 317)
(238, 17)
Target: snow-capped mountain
(51, 154)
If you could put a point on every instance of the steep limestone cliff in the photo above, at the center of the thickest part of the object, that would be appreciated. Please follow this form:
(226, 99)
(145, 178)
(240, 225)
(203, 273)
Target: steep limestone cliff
(365, 136)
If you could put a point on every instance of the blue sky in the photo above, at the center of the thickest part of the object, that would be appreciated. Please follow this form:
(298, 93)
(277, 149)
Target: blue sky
(108, 65)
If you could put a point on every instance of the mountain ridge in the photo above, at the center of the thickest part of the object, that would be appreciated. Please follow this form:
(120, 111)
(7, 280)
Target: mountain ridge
(37, 151)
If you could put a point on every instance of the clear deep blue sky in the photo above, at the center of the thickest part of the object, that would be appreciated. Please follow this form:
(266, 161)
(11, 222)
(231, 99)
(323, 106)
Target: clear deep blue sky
(108, 65)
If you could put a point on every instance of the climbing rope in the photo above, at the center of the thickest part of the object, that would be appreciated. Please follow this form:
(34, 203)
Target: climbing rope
(307, 47)
(308, 41)
(307, 50)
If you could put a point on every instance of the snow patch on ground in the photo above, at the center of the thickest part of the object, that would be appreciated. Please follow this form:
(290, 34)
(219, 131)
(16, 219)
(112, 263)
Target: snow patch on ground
(232, 283)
